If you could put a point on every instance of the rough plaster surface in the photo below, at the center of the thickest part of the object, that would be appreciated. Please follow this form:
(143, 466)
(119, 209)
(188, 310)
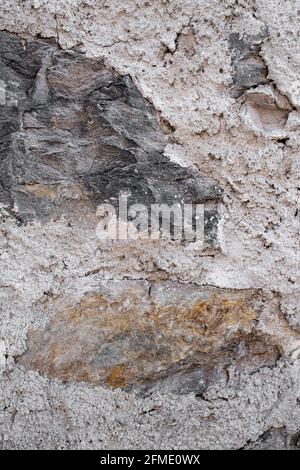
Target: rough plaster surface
(224, 77)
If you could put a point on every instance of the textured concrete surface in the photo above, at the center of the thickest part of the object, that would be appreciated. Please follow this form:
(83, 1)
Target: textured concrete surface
(223, 77)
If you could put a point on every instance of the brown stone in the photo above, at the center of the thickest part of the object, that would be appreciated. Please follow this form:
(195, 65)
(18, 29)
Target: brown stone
(178, 338)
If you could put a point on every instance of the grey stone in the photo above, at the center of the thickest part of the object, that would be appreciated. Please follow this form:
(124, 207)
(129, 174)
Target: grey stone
(249, 68)
(79, 126)
(275, 439)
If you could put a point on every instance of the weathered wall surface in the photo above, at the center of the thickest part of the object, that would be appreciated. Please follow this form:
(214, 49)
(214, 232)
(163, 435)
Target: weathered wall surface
(149, 344)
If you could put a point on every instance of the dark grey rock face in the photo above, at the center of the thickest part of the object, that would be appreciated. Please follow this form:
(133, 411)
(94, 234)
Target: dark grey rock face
(249, 68)
(276, 439)
(75, 134)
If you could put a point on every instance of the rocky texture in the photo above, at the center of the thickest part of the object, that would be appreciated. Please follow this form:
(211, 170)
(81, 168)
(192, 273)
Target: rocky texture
(76, 134)
(164, 337)
(80, 417)
(249, 68)
(267, 112)
(276, 439)
(223, 78)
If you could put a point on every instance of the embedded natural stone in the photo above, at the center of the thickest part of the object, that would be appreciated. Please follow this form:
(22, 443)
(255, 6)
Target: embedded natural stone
(75, 134)
(249, 68)
(275, 439)
(164, 336)
(266, 111)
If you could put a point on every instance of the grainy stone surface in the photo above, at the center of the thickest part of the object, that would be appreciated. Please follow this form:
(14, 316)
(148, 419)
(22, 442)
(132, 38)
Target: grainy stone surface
(216, 86)
(164, 337)
(76, 135)
(276, 439)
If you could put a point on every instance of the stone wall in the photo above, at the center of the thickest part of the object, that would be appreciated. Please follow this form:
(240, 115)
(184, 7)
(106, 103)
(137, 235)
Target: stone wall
(149, 343)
